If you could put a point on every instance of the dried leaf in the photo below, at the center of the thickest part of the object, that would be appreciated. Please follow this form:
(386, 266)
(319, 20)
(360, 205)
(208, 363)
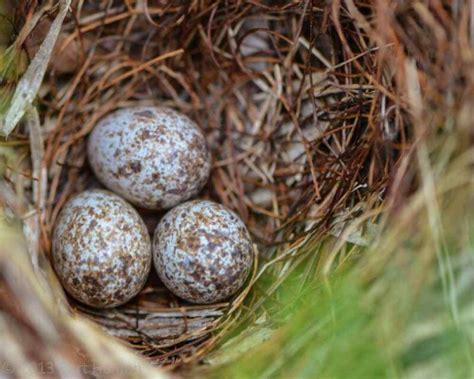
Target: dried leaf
(30, 83)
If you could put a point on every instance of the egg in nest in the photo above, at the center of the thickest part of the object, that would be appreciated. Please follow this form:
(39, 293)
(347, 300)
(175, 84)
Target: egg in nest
(154, 157)
(202, 251)
(101, 249)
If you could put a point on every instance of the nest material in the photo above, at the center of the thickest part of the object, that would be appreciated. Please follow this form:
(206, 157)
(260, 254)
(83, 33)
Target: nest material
(302, 122)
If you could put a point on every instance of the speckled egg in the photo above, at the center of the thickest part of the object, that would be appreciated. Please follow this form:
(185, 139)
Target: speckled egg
(202, 252)
(154, 157)
(101, 249)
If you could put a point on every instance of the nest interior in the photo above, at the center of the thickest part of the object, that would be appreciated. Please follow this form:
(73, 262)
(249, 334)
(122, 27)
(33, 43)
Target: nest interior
(301, 121)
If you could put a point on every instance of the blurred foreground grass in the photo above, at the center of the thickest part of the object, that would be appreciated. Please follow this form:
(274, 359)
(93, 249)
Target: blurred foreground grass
(404, 308)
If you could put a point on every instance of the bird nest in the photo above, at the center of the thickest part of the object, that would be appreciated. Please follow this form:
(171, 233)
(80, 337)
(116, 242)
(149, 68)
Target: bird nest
(299, 116)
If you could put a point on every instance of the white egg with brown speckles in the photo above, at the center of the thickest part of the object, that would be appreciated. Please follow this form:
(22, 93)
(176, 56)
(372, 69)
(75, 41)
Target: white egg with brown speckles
(154, 157)
(101, 249)
(202, 252)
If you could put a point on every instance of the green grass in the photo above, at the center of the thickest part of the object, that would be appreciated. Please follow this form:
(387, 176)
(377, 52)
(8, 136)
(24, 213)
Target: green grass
(9, 56)
(12, 66)
(403, 309)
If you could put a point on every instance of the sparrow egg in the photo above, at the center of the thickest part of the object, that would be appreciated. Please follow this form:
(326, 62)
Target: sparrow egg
(202, 251)
(154, 157)
(101, 249)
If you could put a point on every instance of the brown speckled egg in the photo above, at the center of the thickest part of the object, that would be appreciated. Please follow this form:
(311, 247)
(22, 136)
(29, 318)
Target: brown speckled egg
(154, 157)
(202, 251)
(101, 249)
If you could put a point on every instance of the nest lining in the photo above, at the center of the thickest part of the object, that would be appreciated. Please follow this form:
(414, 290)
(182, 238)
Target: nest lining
(297, 113)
